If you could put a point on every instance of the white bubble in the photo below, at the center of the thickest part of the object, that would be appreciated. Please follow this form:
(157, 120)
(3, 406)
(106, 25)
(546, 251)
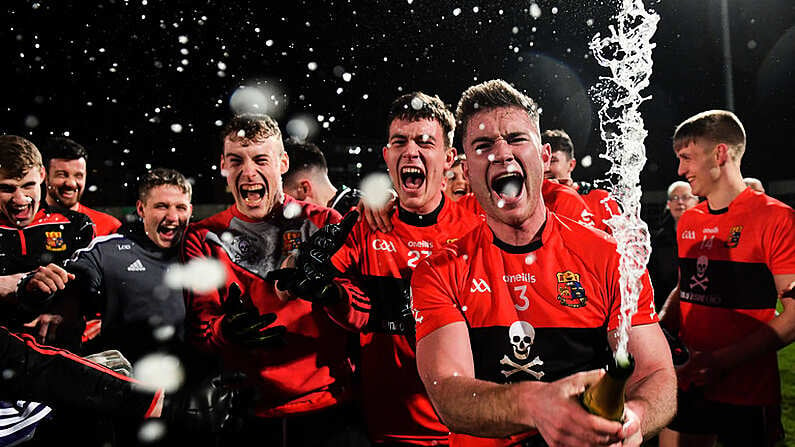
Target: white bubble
(200, 275)
(475, 9)
(586, 161)
(269, 43)
(554, 10)
(500, 203)
(300, 127)
(530, 259)
(93, 188)
(151, 431)
(464, 309)
(262, 97)
(376, 190)
(456, 11)
(481, 126)
(221, 65)
(292, 210)
(515, 30)
(164, 333)
(425, 137)
(535, 11)
(416, 103)
(312, 66)
(490, 157)
(31, 121)
(218, 123)
(176, 128)
(339, 90)
(159, 371)
(346, 77)
(589, 22)
(183, 39)
(751, 44)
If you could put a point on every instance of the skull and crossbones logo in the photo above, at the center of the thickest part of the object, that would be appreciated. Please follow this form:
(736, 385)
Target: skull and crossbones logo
(521, 335)
(700, 279)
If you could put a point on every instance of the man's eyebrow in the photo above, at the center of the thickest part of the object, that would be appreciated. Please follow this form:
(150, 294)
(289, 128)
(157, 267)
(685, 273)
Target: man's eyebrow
(482, 140)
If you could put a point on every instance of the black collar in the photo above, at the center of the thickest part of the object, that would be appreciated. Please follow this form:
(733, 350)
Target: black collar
(421, 220)
(520, 249)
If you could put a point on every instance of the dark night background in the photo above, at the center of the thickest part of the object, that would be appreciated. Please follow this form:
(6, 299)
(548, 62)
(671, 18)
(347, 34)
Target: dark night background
(147, 82)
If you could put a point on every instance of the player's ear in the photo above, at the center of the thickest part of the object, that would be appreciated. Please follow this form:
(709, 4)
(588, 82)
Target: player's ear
(722, 153)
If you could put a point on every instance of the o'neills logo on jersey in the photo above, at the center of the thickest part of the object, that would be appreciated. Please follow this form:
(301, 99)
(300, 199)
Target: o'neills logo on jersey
(734, 236)
(689, 235)
(383, 245)
(570, 291)
(290, 241)
(420, 244)
(54, 241)
(519, 277)
(713, 230)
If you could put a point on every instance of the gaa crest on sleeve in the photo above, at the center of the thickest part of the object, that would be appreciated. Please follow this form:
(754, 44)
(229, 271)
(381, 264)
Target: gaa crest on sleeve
(570, 291)
(521, 336)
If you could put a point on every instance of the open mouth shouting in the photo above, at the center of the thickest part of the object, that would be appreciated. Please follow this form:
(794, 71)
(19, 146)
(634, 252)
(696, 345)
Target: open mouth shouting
(68, 195)
(169, 232)
(508, 186)
(253, 193)
(20, 213)
(460, 191)
(412, 178)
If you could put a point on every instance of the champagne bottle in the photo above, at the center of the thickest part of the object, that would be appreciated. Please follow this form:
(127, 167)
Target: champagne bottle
(606, 397)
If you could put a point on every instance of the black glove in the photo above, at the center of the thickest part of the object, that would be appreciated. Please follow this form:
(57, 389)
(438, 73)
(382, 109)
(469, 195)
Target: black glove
(215, 405)
(312, 276)
(679, 352)
(243, 324)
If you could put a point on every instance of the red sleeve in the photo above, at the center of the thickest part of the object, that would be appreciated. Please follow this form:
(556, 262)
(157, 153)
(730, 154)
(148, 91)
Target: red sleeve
(353, 311)
(203, 310)
(433, 294)
(779, 242)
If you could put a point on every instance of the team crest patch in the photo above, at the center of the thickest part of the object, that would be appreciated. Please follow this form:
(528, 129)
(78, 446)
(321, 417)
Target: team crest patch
(54, 241)
(290, 241)
(734, 236)
(570, 291)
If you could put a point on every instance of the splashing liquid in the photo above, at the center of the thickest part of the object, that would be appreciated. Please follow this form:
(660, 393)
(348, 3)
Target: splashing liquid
(626, 52)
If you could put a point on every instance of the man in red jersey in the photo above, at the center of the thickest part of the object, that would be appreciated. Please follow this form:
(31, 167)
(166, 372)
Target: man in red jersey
(65, 161)
(303, 383)
(562, 164)
(418, 152)
(514, 319)
(736, 257)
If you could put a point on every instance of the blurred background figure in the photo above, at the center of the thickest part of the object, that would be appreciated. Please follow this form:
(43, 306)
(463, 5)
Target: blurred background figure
(754, 183)
(307, 179)
(456, 185)
(663, 262)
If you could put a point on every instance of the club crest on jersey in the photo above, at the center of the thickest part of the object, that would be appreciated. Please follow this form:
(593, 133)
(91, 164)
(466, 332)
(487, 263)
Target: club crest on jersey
(734, 236)
(54, 241)
(290, 241)
(570, 291)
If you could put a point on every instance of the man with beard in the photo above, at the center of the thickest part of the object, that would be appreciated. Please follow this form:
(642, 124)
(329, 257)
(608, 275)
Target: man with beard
(121, 276)
(515, 318)
(65, 163)
(418, 153)
(303, 383)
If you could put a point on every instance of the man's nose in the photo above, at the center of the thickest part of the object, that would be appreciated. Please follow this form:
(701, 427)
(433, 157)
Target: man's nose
(502, 151)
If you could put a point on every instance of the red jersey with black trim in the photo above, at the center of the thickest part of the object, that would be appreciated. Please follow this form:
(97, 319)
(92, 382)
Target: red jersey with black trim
(537, 312)
(727, 259)
(312, 370)
(559, 199)
(381, 264)
(104, 223)
(599, 203)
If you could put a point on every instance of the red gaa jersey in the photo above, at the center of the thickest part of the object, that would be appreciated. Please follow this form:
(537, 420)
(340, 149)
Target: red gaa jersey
(104, 224)
(312, 370)
(599, 203)
(727, 259)
(395, 403)
(537, 312)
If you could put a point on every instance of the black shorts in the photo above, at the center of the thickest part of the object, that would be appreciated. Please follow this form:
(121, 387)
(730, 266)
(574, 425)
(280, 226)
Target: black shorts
(735, 425)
